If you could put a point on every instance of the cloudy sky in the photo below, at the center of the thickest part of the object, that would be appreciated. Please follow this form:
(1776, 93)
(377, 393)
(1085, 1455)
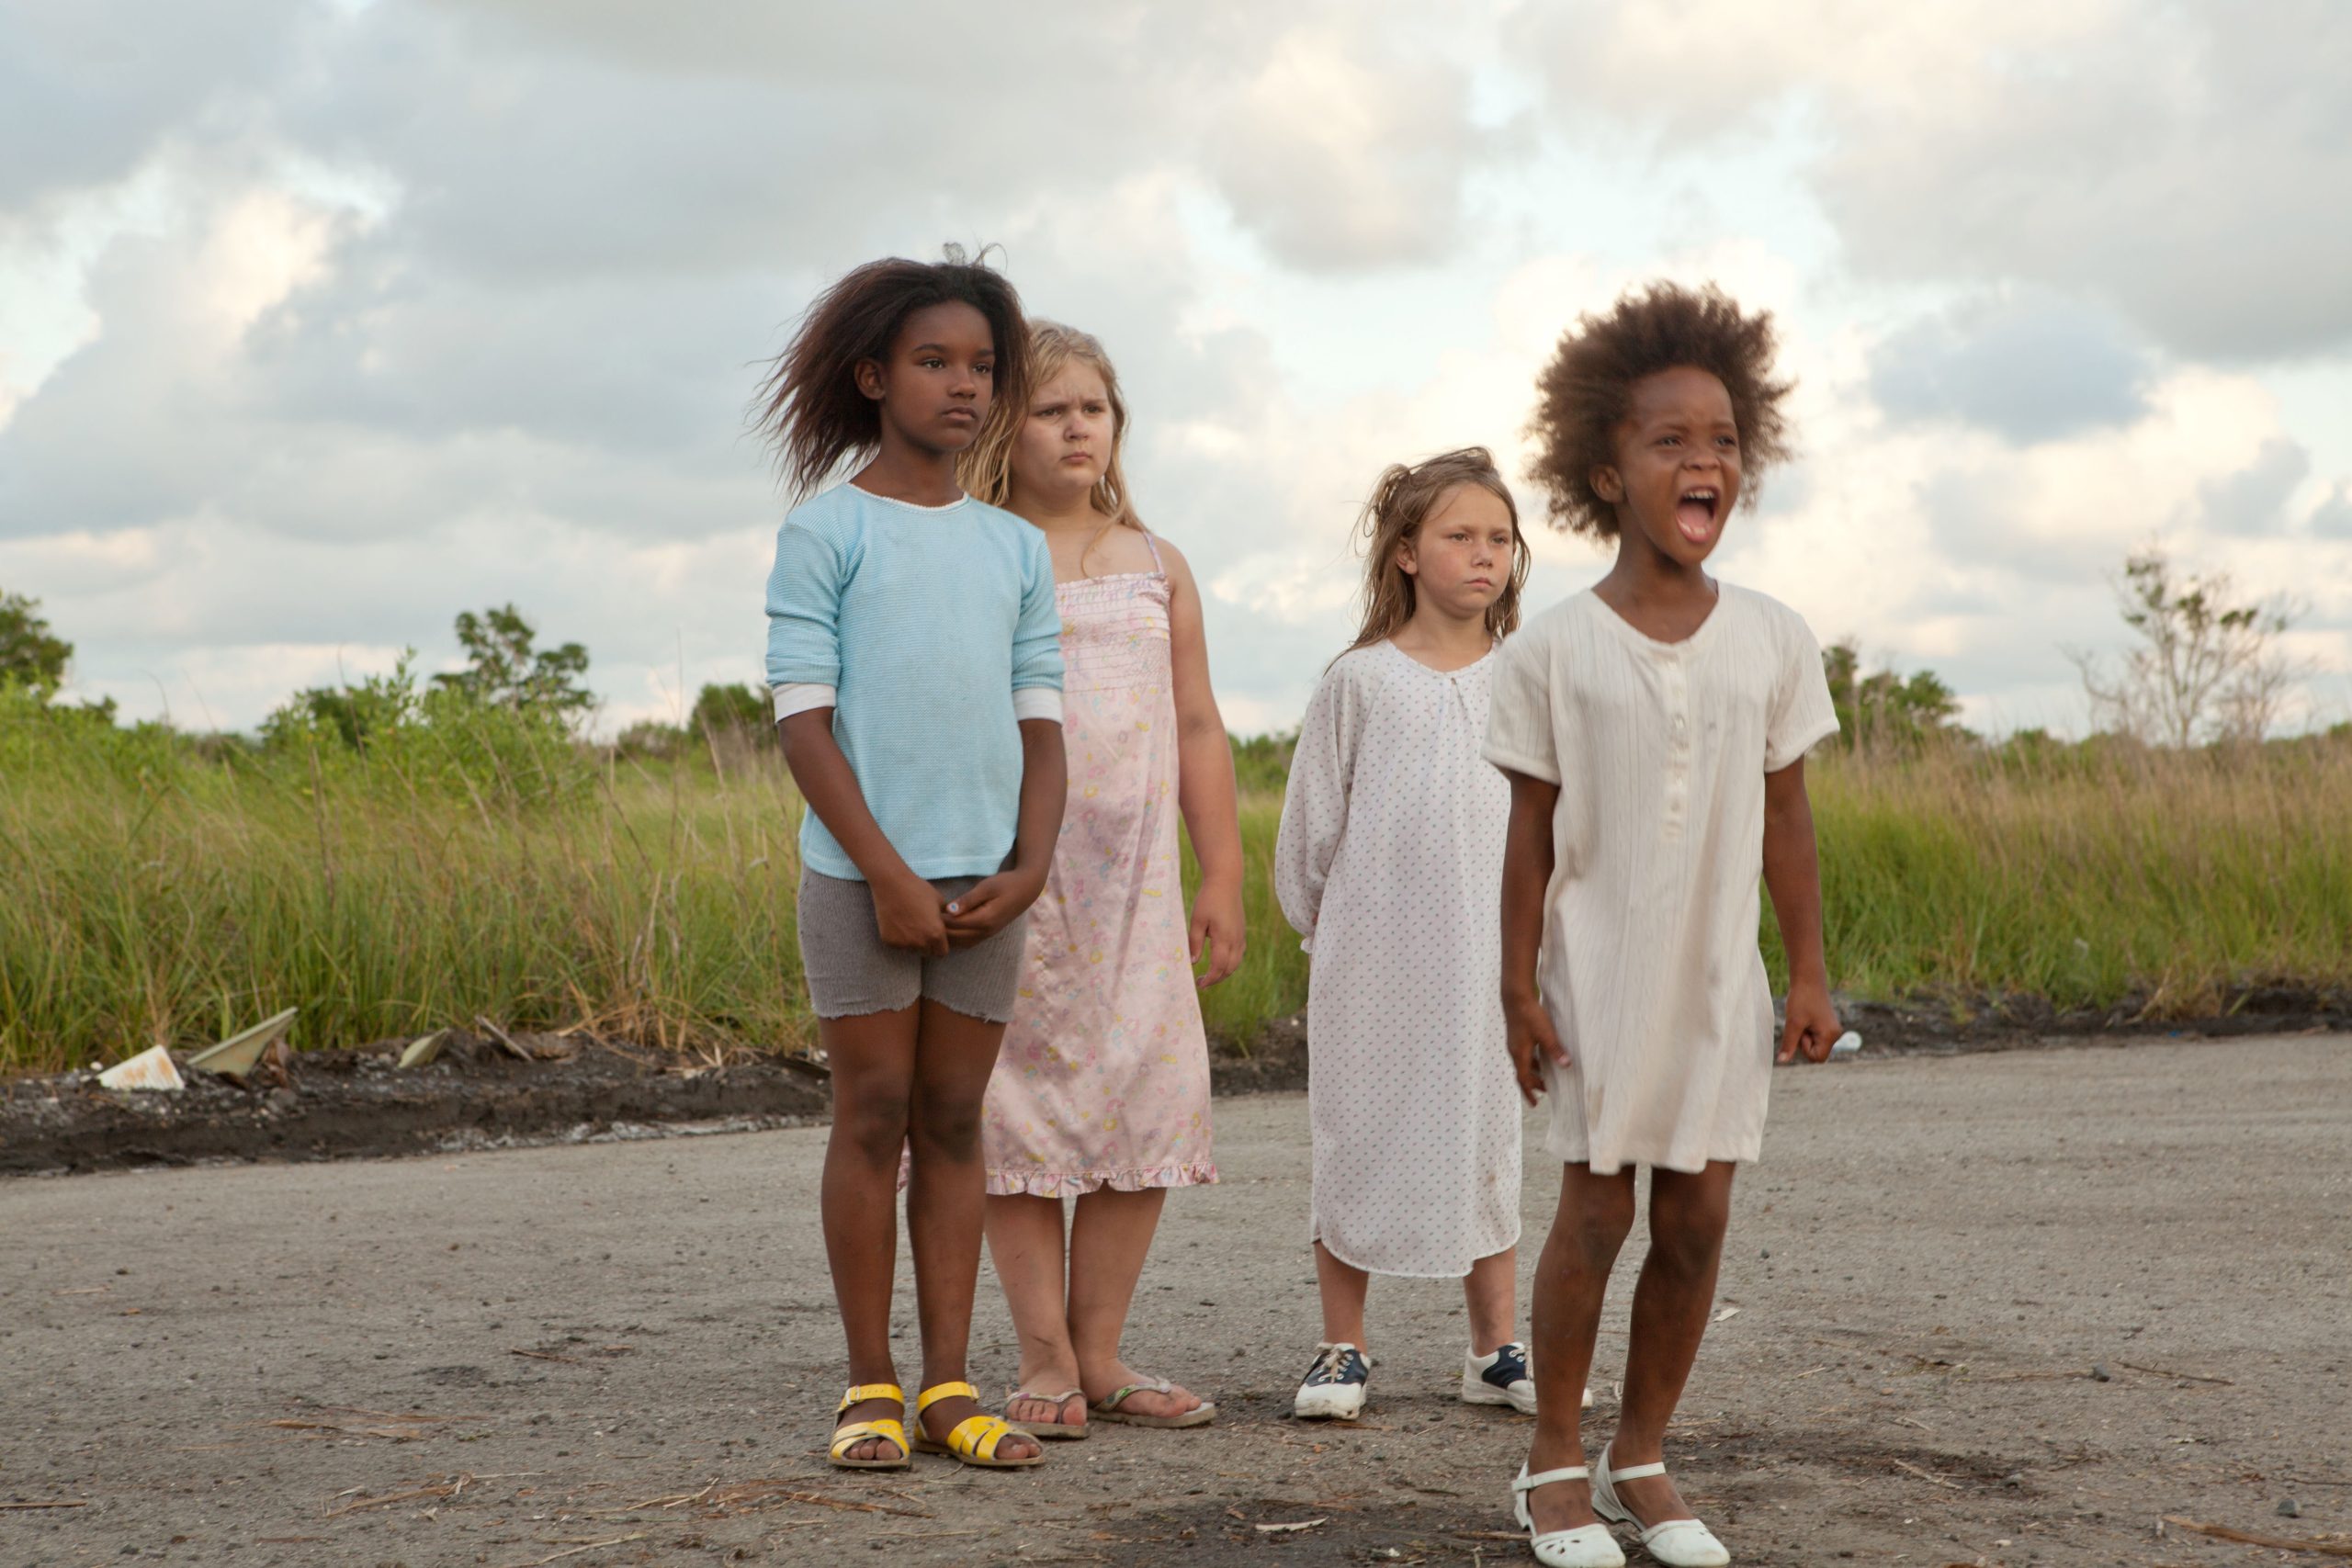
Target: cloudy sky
(322, 319)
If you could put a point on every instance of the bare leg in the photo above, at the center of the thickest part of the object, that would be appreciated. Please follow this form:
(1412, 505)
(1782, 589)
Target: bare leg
(945, 1190)
(1688, 1214)
(1571, 1278)
(1343, 1286)
(873, 1061)
(1025, 1239)
(1490, 1291)
(1108, 1237)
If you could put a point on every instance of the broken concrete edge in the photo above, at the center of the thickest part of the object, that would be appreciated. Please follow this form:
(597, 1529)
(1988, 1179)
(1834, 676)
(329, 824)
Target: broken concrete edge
(1274, 1059)
(151, 1071)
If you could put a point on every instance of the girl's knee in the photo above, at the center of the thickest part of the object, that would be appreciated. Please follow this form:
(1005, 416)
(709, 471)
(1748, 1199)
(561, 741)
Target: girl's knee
(1691, 1232)
(1596, 1224)
(872, 1117)
(946, 1125)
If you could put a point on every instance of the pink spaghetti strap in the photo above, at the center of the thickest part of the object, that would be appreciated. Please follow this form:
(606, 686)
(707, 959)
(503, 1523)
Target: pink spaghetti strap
(1153, 545)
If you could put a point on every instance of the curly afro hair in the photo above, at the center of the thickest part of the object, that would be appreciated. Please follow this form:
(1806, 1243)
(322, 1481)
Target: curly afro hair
(1587, 391)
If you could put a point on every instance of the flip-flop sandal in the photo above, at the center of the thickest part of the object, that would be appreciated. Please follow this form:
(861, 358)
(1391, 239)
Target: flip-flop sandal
(1047, 1431)
(1108, 1409)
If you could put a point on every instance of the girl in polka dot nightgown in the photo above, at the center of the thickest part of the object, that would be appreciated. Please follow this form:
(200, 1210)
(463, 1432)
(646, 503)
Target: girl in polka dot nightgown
(1390, 866)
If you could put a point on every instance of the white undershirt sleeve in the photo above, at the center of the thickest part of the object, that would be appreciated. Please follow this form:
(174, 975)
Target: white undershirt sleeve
(799, 697)
(1037, 702)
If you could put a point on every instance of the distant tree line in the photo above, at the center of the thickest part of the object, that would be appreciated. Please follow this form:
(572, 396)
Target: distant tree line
(2208, 666)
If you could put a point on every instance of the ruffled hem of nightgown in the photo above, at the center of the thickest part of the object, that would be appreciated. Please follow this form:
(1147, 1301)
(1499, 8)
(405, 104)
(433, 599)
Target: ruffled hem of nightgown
(1077, 1184)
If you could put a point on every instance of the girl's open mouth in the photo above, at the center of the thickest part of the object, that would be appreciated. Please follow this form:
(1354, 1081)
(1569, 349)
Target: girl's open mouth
(1695, 513)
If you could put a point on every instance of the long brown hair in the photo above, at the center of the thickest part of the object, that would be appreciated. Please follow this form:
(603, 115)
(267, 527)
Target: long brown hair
(809, 407)
(985, 470)
(1403, 500)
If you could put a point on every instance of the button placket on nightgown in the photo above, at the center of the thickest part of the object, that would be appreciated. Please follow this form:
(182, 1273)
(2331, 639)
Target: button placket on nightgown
(1677, 744)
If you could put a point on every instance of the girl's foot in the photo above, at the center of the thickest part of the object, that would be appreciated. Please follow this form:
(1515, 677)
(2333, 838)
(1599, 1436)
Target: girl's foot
(1047, 1415)
(1577, 1546)
(1153, 1399)
(1333, 1389)
(1559, 1505)
(1499, 1376)
(1644, 1496)
(941, 1417)
(872, 1450)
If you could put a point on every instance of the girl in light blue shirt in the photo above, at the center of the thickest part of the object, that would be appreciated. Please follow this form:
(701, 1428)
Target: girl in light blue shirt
(914, 654)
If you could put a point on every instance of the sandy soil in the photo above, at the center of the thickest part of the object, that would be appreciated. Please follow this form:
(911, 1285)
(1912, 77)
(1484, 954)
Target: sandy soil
(506, 1358)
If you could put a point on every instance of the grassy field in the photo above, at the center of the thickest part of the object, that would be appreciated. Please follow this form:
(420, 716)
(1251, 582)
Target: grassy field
(158, 891)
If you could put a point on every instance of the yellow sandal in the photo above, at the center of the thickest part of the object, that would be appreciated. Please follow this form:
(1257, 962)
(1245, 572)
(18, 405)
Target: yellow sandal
(976, 1438)
(849, 1436)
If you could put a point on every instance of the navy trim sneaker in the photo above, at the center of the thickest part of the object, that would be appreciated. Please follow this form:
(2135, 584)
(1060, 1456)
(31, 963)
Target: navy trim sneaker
(1498, 1379)
(1334, 1386)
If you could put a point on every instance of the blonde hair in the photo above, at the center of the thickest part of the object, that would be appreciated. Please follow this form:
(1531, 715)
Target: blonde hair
(985, 470)
(1403, 500)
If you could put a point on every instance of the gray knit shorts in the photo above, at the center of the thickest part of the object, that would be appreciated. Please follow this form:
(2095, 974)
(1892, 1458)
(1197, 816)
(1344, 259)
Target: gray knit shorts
(852, 971)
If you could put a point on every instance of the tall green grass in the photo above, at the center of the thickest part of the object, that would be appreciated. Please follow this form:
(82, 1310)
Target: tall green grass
(2087, 875)
(156, 890)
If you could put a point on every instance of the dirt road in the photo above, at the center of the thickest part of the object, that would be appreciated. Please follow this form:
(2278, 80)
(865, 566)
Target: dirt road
(626, 1353)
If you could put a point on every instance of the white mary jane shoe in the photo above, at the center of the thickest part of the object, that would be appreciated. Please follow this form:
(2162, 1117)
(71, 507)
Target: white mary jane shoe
(1586, 1546)
(1678, 1543)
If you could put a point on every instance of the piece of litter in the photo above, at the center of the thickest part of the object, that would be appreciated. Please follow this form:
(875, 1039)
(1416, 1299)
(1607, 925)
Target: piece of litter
(1726, 1314)
(1848, 1045)
(237, 1055)
(424, 1051)
(1285, 1529)
(151, 1069)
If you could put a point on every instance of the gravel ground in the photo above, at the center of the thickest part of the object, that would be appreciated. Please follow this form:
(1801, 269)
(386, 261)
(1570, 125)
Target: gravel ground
(1997, 1309)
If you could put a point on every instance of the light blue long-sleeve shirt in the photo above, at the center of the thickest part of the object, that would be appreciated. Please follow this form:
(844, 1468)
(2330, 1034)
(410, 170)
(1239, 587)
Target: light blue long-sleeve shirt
(921, 622)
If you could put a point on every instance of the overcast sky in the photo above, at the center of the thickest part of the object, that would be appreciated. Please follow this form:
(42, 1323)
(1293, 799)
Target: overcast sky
(324, 319)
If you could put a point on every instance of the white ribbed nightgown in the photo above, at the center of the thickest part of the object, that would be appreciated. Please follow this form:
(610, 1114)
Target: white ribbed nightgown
(1650, 966)
(1390, 865)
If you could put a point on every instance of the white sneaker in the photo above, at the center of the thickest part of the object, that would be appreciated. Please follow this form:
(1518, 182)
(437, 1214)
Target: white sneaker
(1334, 1386)
(1498, 1378)
(1503, 1378)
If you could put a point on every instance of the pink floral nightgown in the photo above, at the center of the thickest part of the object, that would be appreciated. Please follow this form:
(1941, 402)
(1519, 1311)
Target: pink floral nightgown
(1103, 1078)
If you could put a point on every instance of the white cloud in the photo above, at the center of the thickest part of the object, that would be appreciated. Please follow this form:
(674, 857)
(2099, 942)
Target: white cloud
(2178, 162)
(335, 320)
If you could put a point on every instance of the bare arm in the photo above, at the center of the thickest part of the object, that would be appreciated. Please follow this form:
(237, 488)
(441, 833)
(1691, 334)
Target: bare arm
(1792, 876)
(1204, 788)
(905, 907)
(997, 901)
(1527, 875)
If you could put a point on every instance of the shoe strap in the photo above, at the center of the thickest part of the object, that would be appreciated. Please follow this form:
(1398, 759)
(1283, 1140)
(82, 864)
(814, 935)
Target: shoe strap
(940, 1391)
(1635, 1471)
(978, 1435)
(861, 1393)
(1546, 1477)
(1149, 1386)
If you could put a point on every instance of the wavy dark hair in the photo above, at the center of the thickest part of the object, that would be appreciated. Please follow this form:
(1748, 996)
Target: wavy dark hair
(1587, 391)
(809, 408)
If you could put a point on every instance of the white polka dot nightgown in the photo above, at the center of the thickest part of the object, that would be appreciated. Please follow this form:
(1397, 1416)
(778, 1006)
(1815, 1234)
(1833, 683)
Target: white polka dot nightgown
(1650, 966)
(1390, 866)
